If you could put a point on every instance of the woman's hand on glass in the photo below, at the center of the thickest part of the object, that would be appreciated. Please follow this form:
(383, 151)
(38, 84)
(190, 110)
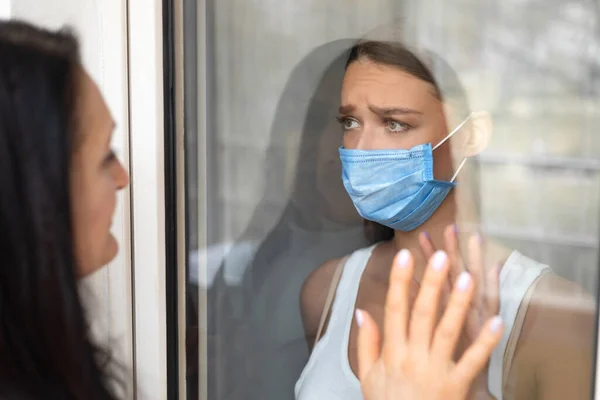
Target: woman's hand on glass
(414, 359)
(485, 303)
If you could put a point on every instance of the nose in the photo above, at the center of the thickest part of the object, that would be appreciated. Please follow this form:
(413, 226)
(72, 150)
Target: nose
(121, 177)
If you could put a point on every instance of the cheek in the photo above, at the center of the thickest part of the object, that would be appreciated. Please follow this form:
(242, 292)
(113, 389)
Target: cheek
(103, 205)
(104, 211)
(348, 142)
(99, 246)
(443, 168)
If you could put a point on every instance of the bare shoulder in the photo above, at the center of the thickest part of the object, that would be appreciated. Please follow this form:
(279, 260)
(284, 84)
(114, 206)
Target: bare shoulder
(563, 307)
(313, 295)
(557, 340)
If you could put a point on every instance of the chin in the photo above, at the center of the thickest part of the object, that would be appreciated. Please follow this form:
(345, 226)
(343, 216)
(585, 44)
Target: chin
(98, 259)
(109, 253)
(111, 250)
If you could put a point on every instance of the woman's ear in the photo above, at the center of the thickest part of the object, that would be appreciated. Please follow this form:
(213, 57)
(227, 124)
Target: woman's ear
(480, 134)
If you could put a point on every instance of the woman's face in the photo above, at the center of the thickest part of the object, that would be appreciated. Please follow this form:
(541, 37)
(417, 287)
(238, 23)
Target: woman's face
(383, 107)
(96, 176)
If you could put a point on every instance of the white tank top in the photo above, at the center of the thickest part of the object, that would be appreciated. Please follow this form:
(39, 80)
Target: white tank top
(328, 374)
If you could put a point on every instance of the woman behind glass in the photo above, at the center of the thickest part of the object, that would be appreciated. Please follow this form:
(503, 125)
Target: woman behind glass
(408, 131)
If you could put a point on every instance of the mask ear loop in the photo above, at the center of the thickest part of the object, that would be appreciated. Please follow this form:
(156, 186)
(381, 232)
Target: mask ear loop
(462, 163)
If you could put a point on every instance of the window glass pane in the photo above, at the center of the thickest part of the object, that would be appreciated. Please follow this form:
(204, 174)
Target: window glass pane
(270, 218)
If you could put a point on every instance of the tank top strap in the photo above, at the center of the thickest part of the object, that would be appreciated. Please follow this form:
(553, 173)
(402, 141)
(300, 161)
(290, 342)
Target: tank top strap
(325, 367)
(347, 290)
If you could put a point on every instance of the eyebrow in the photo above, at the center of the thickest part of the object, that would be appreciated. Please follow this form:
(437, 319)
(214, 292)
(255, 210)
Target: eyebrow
(346, 109)
(381, 111)
(392, 110)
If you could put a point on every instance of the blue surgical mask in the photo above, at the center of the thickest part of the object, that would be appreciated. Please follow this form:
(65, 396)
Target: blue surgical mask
(395, 187)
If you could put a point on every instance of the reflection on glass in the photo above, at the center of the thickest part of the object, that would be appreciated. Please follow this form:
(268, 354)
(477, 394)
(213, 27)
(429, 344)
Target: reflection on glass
(281, 220)
(318, 223)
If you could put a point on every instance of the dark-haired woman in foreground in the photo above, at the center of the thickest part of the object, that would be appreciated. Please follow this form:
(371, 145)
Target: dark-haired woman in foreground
(58, 184)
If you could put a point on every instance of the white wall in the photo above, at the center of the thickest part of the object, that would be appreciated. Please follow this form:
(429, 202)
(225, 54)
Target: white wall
(4, 9)
(102, 29)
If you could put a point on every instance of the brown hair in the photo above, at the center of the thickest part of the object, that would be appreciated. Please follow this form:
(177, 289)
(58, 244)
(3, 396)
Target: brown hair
(392, 54)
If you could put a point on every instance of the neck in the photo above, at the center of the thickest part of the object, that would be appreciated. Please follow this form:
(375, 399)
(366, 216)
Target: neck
(445, 215)
(467, 225)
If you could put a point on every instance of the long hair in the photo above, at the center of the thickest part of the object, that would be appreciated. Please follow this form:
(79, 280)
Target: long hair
(45, 346)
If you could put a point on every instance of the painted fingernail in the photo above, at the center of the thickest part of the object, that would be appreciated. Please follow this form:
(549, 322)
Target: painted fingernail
(479, 238)
(426, 235)
(463, 281)
(455, 228)
(360, 318)
(403, 258)
(439, 260)
(496, 324)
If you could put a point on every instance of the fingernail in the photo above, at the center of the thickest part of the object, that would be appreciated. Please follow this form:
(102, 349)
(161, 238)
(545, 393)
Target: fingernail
(426, 235)
(496, 324)
(358, 314)
(439, 260)
(403, 257)
(463, 281)
(455, 228)
(479, 238)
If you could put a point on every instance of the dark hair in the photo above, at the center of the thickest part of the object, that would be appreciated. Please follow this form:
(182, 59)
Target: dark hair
(446, 84)
(45, 346)
(392, 54)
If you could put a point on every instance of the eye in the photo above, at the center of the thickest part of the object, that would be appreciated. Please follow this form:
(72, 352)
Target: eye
(397, 126)
(347, 123)
(110, 157)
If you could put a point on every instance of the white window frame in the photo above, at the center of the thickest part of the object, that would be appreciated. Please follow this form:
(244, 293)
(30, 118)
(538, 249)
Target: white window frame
(146, 108)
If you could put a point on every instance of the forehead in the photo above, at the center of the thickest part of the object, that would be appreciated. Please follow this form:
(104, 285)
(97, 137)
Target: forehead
(89, 98)
(382, 85)
(93, 122)
(93, 118)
